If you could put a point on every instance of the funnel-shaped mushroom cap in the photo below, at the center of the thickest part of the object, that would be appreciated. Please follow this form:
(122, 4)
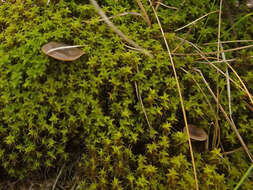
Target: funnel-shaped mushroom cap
(196, 133)
(62, 52)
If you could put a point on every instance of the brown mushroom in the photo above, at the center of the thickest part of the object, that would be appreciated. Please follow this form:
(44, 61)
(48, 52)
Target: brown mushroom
(62, 51)
(249, 3)
(196, 133)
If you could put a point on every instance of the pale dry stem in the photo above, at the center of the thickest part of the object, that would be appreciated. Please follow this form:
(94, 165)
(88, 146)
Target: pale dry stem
(157, 4)
(230, 41)
(234, 128)
(215, 52)
(216, 128)
(123, 14)
(244, 86)
(167, 6)
(182, 42)
(144, 12)
(141, 102)
(180, 96)
(58, 176)
(193, 22)
(116, 30)
(199, 52)
(215, 141)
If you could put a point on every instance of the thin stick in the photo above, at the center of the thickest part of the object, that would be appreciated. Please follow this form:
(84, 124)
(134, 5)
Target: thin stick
(216, 132)
(227, 118)
(58, 176)
(228, 86)
(244, 177)
(217, 128)
(215, 136)
(195, 20)
(180, 96)
(182, 42)
(144, 12)
(116, 30)
(244, 86)
(215, 52)
(130, 47)
(248, 105)
(140, 100)
(169, 7)
(157, 4)
(199, 52)
(235, 150)
(219, 31)
(220, 61)
(232, 151)
(131, 42)
(231, 41)
(124, 14)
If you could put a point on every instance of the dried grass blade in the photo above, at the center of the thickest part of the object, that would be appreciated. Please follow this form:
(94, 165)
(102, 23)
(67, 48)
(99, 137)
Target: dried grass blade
(182, 42)
(144, 12)
(199, 52)
(215, 52)
(239, 78)
(116, 30)
(231, 41)
(216, 137)
(123, 14)
(141, 102)
(58, 176)
(193, 22)
(180, 96)
(226, 116)
(169, 7)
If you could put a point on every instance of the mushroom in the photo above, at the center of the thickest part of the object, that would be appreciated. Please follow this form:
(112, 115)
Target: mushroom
(196, 133)
(62, 51)
(249, 3)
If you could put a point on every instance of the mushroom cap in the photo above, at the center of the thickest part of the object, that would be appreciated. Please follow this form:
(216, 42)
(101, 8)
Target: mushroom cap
(250, 3)
(196, 133)
(69, 54)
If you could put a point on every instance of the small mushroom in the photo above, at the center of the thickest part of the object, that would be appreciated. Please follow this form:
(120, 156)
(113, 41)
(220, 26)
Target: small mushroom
(249, 4)
(196, 133)
(62, 51)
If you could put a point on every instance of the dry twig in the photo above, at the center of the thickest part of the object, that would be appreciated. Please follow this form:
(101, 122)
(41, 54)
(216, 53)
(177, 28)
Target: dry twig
(199, 52)
(193, 22)
(215, 52)
(123, 14)
(182, 42)
(230, 41)
(141, 102)
(58, 176)
(234, 128)
(144, 12)
(169, 7)
(180, 95)
(116, 30)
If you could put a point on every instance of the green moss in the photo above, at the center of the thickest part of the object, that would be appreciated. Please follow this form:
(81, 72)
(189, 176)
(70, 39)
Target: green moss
(87, 112)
